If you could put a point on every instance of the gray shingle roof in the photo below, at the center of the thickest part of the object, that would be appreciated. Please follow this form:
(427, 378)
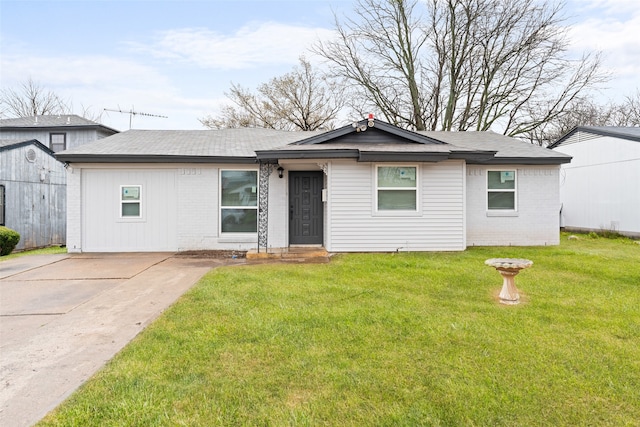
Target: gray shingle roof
(505, 146)
(242, 145)
(53, 120)
(190, 143)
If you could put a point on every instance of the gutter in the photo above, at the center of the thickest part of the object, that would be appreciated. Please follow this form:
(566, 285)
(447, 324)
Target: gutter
(130, 158)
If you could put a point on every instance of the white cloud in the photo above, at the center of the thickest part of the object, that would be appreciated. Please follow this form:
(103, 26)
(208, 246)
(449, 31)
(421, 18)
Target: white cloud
(75, 70)
(610, 6)
(96, 82)
(610, 26)
(252, 45)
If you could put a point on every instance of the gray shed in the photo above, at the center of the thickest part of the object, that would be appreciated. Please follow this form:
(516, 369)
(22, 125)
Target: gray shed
(32, 193)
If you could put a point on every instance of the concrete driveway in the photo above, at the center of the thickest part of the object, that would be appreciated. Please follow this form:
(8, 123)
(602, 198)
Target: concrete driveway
(63, 316)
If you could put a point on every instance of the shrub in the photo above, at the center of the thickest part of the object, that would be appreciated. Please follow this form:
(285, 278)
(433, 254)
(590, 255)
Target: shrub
(8, 240)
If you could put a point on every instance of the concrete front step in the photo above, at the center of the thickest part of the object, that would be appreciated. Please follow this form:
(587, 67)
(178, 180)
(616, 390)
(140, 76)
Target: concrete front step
(293, 254)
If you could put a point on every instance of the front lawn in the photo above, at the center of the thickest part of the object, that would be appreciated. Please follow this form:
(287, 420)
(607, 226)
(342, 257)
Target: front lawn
(42, 251)
(388, 340)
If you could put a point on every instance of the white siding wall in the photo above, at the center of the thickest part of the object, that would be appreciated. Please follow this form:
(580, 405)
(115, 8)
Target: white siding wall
(536, 221)
(354, 226)
(104, 230)
(180, 209)
(600, 188)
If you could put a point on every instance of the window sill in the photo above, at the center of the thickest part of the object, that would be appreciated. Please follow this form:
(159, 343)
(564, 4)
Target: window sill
(238, 238)
(502, 213)
(392, 213)
(125, 220)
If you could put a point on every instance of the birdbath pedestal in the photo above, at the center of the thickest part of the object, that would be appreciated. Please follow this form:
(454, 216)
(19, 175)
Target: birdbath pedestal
(509, 268)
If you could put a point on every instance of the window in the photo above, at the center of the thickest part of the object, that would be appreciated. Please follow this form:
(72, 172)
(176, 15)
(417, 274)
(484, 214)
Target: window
(501, 190)
(130, 201)
(239, 201)
(396, 188)
(57, 142)
(2, 201)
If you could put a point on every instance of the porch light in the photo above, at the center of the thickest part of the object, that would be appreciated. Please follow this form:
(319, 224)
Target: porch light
(280, 171)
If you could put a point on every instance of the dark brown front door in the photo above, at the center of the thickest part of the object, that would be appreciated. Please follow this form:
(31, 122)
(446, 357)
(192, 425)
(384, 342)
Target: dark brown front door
(305, 208)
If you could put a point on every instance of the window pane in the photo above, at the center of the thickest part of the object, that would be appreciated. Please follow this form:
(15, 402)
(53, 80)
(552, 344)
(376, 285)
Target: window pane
(404, 200)
(58, 142)
(239, 220)
(131, 193)
(239, 188)
(131, 209)
(396, 176)
(498, 180)
(502, 200)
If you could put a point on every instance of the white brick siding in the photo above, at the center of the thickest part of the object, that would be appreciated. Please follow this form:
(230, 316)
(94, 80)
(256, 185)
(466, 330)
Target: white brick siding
(183, 214)
(536, 221)
(180, 202)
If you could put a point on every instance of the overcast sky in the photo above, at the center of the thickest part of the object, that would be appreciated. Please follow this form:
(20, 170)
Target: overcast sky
(177, 58)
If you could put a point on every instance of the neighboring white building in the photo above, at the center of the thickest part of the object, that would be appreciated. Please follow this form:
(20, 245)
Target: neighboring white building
(600, 189)
(365, 187)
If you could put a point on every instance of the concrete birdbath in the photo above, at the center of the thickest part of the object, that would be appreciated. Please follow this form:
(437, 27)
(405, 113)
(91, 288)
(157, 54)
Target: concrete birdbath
(509, 268)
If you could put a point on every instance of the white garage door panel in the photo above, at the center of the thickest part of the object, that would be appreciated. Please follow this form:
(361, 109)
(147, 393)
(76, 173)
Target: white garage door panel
(104, 231)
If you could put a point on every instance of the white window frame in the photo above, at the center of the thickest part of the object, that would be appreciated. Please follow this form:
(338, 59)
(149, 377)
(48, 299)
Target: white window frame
(64, 141)
(221, 207)
(123, 201)
(396, 212)
(514, 190)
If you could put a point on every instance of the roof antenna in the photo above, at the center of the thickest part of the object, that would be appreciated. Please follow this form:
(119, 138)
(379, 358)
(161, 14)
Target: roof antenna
(132, 113)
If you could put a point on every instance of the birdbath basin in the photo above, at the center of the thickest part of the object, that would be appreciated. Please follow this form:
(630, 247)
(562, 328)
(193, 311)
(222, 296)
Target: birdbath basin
(509, 268)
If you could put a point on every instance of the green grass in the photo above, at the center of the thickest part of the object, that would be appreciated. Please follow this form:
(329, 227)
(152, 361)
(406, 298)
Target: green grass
(388, 340)
(43, 251)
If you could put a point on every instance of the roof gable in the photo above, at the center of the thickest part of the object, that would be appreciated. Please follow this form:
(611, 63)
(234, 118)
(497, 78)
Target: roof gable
(369, 132)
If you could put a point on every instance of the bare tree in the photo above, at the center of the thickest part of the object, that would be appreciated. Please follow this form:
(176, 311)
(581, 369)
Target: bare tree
(586, 112)
(90, 114)
(30, 99)
(460, 64)
(300, 100)
(631, 110)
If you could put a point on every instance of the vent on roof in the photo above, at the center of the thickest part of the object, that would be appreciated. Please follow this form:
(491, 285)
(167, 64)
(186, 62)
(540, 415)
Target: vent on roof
(31, 155)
